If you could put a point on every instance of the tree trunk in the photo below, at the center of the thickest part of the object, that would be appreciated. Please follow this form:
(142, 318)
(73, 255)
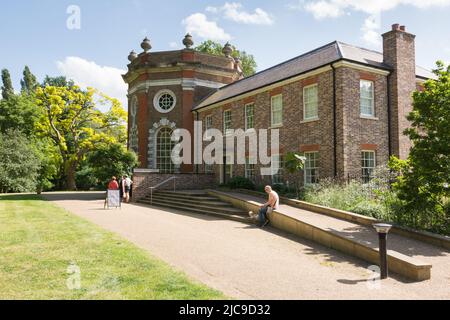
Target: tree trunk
(70, 177)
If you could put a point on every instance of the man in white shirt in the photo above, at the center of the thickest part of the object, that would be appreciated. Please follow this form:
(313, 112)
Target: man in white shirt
(126, 188)
(269, 206)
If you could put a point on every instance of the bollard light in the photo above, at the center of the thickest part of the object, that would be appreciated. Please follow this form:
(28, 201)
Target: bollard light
(383, 230)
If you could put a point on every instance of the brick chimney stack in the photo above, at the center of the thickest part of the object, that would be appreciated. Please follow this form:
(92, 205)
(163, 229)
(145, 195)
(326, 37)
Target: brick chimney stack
(399, 53)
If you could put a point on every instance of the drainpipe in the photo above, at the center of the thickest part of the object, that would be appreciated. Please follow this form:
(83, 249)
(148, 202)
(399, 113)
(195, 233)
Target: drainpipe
(334, 121)
(389, 111)
(196, 119)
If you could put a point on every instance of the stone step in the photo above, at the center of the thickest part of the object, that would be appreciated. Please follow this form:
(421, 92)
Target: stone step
(183, 197)
(205, 212)
(183, 193)
(225, 210)
(215, 202)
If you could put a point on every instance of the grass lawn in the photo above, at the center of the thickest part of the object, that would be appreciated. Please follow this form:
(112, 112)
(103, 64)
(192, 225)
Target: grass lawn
(39, 241)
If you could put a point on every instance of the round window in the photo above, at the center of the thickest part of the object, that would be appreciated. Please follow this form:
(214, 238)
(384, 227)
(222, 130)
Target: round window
(164, 101)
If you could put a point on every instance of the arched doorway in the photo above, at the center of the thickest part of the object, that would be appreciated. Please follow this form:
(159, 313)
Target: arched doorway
(164, 146)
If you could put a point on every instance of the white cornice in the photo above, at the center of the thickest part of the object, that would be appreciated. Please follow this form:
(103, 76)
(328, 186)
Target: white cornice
(360, 67)
(186, 83)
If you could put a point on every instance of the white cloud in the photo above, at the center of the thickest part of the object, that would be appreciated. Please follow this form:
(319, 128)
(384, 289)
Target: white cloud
(199, 25)
(322, 9)
(371, 30)
(335, 8)
(233, 11)
(89, 74)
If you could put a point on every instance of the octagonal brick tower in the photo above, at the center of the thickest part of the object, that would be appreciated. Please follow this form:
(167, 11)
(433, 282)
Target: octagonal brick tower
(163, 87)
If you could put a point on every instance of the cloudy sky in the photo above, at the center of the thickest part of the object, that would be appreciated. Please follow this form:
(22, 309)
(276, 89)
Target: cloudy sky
(92, 50)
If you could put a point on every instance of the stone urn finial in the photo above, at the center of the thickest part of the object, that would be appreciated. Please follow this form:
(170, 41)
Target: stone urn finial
(146, 45)
(133, 55)
(227, 50)
(188, 42)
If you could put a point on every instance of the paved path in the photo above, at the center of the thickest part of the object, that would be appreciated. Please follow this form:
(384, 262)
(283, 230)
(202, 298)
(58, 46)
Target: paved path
(245, 262)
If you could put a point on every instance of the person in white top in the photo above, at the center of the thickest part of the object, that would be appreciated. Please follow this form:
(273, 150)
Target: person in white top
(269, 206)
(126, 184)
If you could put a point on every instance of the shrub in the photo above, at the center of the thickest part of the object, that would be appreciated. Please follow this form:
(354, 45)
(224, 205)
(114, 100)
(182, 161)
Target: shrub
(240, 183)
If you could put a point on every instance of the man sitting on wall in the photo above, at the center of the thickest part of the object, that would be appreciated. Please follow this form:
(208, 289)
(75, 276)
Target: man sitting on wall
(269, 206)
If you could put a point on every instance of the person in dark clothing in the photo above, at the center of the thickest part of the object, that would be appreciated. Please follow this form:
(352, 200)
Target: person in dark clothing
(121, 187)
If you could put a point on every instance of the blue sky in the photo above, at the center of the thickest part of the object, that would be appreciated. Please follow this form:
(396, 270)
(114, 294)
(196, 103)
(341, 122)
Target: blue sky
(35, 33)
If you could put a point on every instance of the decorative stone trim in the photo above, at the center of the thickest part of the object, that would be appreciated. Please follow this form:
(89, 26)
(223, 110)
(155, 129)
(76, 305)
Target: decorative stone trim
(152, 140)
(134, 132)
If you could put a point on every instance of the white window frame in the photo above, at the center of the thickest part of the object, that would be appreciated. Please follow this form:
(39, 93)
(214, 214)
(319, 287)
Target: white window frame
(246, 115)
(305, 103)
(227, 131)
(158, 95)
(316, 167)
(364, 167)
(272, 124)
(372, 99)
(250, 167)
(209, 168)
(208, 124)
(277, 178)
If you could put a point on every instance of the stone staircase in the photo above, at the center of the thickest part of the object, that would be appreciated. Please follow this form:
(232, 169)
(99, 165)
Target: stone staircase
(197, 202)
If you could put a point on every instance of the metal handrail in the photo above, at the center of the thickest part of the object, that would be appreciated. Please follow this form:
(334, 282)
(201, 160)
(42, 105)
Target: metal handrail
(161, 184)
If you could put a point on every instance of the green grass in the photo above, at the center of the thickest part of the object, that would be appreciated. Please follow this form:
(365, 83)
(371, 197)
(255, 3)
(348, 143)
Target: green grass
(39, 241)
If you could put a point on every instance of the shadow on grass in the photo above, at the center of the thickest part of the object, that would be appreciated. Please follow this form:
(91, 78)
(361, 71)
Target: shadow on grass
(20, 197)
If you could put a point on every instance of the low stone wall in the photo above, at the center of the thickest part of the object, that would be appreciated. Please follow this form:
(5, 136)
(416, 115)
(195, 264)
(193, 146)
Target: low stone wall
(428, 237)
(143, 181)
(399, 263)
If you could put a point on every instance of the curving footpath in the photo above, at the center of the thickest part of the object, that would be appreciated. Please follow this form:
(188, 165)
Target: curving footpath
(245, 262)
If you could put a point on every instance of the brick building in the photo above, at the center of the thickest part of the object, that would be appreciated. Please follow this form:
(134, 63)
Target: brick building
(344, 107)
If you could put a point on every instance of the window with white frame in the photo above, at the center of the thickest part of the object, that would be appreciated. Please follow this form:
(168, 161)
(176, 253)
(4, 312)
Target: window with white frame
(209, 168)
(249, 116)
(310, 102)
(367, 98)
(277, 169)
(277, 110)
(208, 124)
(249, 169)
(368, 164)
(164, 151)
(227, 122)
(311, 168)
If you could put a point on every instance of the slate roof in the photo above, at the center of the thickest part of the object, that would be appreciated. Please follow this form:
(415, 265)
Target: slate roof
(317, 58)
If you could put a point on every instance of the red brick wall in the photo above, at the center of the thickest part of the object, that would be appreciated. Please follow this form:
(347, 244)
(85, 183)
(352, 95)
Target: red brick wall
(143, 181)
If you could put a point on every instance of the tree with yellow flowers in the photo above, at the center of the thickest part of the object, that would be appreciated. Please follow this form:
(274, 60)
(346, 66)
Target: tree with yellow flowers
(71, 119)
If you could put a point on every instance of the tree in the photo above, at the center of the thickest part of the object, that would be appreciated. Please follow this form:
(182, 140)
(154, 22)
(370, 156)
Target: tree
(76, 126)
(19, 163)
(294, 163)
(424, 178)
(7, 88)
(18, 112)
(60, 81)
(29, 82)
(111, 160)
(248, 61)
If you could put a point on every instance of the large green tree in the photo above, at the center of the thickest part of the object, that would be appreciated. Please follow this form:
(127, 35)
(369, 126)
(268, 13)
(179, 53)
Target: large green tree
(424, 178)
(111, 160)
(7, 87)
(248, 61)
(29, 82)
(19, 163)
(71, 120)
(18, 112)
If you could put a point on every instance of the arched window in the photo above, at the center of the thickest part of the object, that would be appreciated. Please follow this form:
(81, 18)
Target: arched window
(164, 146)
